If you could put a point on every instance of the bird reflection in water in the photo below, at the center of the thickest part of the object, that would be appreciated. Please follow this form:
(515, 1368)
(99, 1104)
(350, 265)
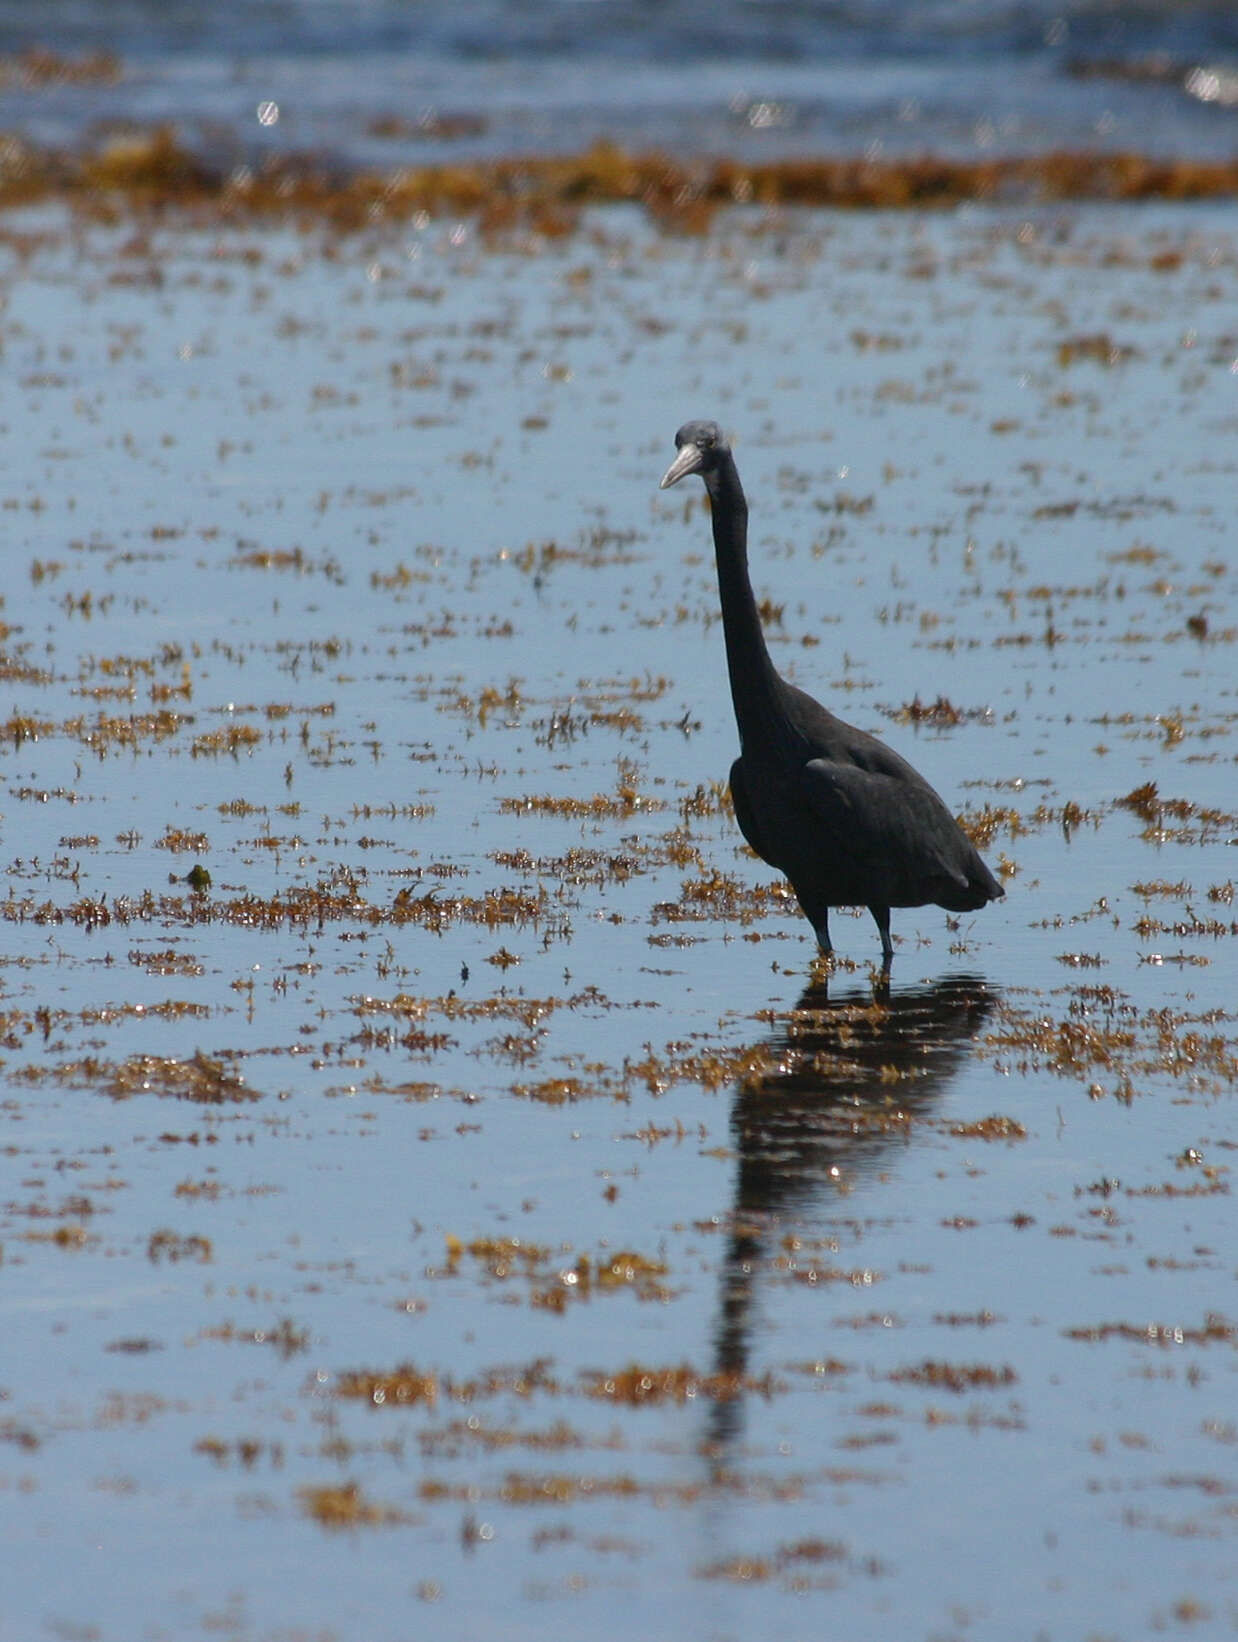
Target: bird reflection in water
(846, 1081)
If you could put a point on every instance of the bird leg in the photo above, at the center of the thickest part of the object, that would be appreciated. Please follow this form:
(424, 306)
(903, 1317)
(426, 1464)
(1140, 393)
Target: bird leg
(881, 916)
(821, 926)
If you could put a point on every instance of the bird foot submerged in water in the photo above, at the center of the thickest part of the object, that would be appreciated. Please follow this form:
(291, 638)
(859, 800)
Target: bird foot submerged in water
(834, 809)
(881, 917)
(829, 962)
(827, 967)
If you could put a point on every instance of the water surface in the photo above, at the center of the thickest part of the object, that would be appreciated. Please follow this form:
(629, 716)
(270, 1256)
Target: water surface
(381, 83)
(471, 1213)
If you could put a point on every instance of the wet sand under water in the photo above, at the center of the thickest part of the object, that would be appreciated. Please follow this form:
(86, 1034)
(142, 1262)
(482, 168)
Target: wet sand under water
(440, 1196)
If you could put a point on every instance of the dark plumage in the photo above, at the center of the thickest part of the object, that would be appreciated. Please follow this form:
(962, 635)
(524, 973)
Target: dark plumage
(847, 820)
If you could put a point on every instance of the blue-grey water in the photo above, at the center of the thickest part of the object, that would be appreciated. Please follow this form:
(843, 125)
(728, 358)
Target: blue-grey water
(470, 1212)
(328, 559)
(383, 82)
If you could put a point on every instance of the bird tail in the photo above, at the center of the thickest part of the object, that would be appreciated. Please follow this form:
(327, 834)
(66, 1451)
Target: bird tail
(979, 888)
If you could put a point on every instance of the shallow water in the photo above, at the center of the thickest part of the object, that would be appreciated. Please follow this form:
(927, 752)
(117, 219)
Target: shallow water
(444, 1221)
(383, 83)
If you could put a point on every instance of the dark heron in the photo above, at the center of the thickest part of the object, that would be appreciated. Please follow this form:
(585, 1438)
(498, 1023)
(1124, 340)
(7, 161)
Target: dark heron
(849, 822)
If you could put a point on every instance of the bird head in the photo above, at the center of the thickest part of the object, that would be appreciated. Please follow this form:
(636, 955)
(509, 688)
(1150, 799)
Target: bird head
(701, 446)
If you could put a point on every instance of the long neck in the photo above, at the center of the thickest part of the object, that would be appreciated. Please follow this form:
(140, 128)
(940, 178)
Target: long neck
(754, 682)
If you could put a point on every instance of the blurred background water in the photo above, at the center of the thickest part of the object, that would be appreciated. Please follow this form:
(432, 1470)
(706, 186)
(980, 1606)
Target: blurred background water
(372, 1266)
(385, 81)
